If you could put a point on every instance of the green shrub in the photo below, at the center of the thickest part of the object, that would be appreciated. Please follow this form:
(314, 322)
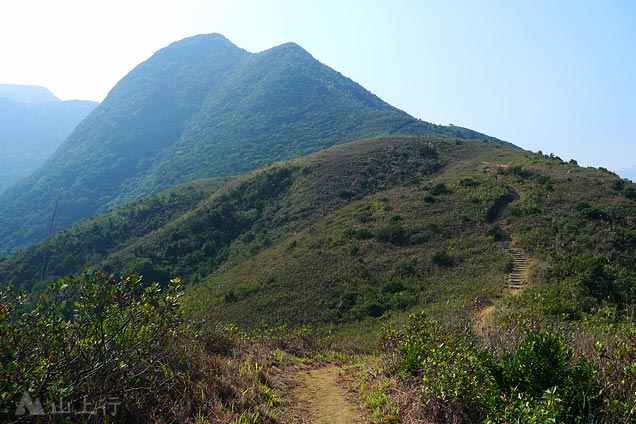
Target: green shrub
(442, 258)
(112, 347)
(544, 364)
(392, 233)
(439, 188)
(94, 337)
(448, 370)
(618, 185)
(589, 211)
(460, 381)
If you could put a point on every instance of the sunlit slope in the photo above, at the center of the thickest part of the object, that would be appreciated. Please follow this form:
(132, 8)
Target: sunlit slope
(375, 228)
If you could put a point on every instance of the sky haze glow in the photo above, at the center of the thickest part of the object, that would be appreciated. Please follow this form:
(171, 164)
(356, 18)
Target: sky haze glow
(556, 76)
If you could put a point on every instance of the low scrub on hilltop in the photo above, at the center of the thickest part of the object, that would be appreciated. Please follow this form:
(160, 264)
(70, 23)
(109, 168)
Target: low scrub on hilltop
(396, 242)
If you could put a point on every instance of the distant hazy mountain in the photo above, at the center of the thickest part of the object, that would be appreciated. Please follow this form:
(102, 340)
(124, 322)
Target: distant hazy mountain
(201, 107)
(628, 173)
(30, 132)
(27, 93)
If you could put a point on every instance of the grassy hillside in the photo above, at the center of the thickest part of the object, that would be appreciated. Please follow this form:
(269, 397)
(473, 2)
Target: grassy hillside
(389, 246)
(199, 108)
(369, 230)
(431, 240)
(278, 104)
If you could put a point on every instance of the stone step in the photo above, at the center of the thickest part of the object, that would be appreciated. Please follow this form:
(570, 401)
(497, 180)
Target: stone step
(517, 278)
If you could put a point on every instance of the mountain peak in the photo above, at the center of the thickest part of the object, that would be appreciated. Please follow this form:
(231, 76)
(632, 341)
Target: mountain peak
(289, 48)
(202, 41)
(200, 107)
(197, 48)
(27, 93)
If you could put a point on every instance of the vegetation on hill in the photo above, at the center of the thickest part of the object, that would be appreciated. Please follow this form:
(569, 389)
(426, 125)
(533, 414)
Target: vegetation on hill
(574, 372)
(389, 247)
(32, 131)
(87, 243)
(367, 229)
(105, 349)
(198, 108)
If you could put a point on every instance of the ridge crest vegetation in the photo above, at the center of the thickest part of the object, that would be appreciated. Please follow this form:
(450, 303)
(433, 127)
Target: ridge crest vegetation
(392, 242)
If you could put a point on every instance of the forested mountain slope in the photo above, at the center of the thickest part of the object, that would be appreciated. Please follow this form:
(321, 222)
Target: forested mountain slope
(199, 108)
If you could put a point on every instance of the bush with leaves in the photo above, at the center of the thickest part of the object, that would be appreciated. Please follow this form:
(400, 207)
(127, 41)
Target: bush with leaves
(447, 368)
(543, 365)
(458, 380)
(119, 350)
(85, 343)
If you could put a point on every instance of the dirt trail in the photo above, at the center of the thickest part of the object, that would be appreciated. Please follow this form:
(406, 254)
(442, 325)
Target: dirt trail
(320, 398)
(515, 280)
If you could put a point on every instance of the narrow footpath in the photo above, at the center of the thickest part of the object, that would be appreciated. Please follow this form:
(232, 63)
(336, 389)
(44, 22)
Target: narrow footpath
(321, 399)
(517, 278)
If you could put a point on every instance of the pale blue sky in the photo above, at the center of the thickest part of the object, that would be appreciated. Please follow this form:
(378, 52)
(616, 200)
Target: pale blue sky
(551, 75)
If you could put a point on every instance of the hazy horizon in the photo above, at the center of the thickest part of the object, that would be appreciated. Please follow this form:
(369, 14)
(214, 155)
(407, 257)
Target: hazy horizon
(557, 77)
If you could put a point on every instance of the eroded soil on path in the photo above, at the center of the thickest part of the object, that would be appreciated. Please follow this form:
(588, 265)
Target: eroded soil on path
(320, 398)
